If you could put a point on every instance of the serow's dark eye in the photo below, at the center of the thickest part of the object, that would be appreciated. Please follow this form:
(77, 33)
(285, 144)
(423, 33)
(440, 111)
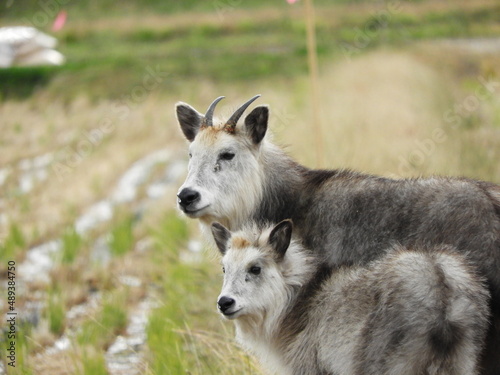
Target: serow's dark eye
(226, 156)
(255, 270)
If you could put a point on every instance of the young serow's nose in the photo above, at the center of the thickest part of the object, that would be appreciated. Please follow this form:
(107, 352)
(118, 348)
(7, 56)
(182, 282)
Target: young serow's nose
(225, 303)
(187, 197)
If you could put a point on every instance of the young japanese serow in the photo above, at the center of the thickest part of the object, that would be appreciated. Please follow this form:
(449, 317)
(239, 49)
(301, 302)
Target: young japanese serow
(237, 175)
(407, 313)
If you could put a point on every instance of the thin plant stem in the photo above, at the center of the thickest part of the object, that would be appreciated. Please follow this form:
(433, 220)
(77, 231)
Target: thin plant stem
(312, 58)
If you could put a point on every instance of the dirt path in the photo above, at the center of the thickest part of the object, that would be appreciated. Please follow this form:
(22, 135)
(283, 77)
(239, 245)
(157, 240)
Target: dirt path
(125, 355)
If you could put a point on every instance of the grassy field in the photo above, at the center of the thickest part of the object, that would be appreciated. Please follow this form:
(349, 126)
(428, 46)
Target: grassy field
(407, 89)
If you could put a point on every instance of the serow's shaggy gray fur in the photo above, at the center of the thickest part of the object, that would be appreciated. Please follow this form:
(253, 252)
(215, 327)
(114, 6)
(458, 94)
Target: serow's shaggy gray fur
(408, 313)
(236, 175)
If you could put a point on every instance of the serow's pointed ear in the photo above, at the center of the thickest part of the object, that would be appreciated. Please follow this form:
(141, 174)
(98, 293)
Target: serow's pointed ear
(280, 238)
(221, 236)
(189, 120)
(256, 123)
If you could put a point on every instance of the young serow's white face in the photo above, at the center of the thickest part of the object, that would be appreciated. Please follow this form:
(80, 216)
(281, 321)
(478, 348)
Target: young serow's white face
(252, 269)
(224, 177)
(245, 270)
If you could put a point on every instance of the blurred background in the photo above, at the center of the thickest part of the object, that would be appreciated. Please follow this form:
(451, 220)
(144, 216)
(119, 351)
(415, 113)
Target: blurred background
(110, 279)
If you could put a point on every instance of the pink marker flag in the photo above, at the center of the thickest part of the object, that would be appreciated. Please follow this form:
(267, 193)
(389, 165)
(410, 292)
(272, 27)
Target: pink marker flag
(59, 21)
(291, 1)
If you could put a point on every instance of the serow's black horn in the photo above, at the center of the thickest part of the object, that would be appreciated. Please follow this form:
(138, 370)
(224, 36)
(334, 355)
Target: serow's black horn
(231, 123)
(208, 118)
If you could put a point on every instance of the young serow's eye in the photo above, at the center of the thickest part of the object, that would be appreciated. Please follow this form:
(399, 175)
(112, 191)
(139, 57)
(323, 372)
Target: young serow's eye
(255, 270)
(226, 156)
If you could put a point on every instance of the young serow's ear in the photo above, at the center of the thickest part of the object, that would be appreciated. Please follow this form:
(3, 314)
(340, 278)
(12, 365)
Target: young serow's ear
(280, 237)
(189, 120)
(221, 236)
(256, 123)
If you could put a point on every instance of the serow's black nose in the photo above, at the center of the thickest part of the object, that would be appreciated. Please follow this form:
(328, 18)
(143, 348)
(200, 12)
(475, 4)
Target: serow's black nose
(225, 303)
(187, 197)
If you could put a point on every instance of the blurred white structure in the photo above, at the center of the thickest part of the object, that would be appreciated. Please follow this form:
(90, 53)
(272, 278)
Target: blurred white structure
(27, 46)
